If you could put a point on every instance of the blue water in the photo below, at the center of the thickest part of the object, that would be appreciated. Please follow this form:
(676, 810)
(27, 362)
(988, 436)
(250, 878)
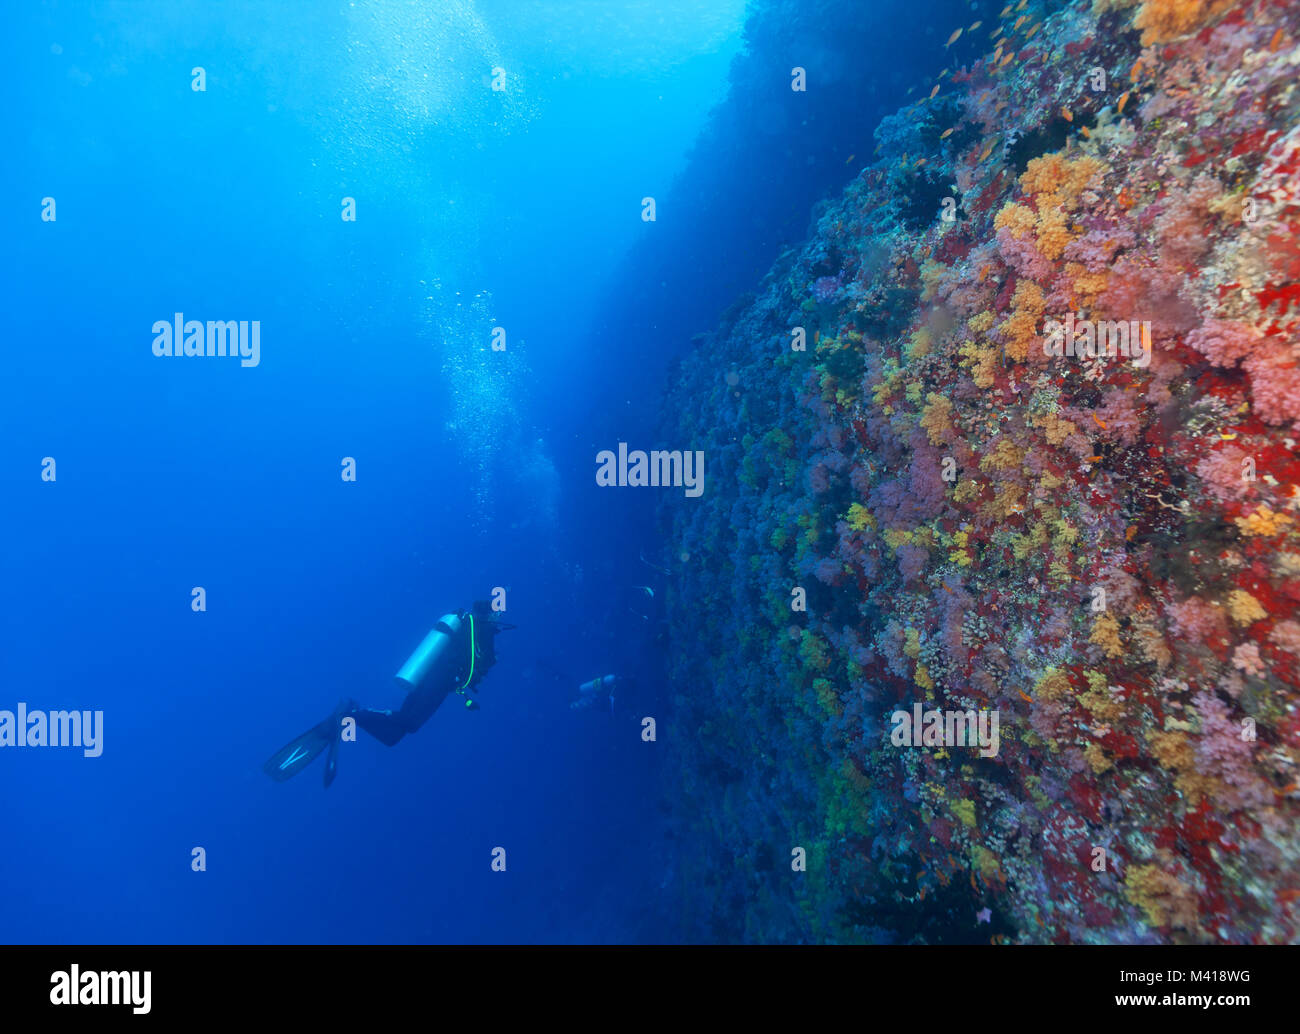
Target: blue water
(475, 209)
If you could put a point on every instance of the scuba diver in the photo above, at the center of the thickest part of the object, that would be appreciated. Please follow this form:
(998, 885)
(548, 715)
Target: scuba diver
(607, 686)
(453, 658)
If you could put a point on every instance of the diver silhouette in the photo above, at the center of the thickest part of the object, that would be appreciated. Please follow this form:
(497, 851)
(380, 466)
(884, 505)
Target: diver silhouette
(453, 658)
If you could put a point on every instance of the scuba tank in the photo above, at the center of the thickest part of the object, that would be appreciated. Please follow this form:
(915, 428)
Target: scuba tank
(439, 660)
(596, 685)
(589, 692)
(435, 652)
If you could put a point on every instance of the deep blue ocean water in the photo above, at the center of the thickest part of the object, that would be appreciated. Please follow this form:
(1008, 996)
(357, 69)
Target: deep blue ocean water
(475, 209)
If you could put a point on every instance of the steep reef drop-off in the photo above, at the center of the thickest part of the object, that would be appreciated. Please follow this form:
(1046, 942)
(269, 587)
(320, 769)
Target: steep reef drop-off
(1112, 561)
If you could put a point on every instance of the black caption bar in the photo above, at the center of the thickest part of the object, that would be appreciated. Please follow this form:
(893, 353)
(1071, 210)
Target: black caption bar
(166, 985)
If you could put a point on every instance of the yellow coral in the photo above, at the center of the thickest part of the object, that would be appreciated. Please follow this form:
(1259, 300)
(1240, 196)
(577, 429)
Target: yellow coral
(1017, 218)
(1096, 758)
(964, 809)
(895, 537)
(1057, 180)
(1087, 284)
(1099, 702)
(859, 518)
(980, 322)
(919, 343)
(1009, 501)
(1025, 546)
(1006, 455)
(1176, 752)
(958, 555)
(982, 371)
(1244, 608)
(1028, 304)
(1057, 430)
(932, 273)
(986, 863)
(1146, 632)
(1053, 233)
(1105, 633)
(830, 703)
(936, 418)
(1165, 899)
(1053, 684)
(923, 676)
(1262, 522)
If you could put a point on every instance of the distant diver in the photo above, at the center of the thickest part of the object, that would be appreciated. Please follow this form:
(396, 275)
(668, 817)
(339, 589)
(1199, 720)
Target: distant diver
(453, 658)
(591, 693)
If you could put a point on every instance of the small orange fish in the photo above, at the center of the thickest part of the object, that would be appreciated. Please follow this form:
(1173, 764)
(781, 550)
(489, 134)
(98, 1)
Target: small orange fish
(952, 39)
(946, 589)
(1019, 22)
(1005, 11)
(987, 151)
(1085, 131)
(1067, 115)
(1130, 532)
(1275, 42)
(849, 159)
(1094, 459)
(1021, 6)
(936, 90)
(919, 163)
(945, 134)
(997, 54)
(1030, 34)
(1026, 699)
(1135, 71)
(1007, 60)
(1100, 422)
(996, 33)
(1119, 108)
(978, 24)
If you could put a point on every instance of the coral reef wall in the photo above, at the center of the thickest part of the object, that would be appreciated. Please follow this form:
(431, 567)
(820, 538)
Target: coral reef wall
(1014, 433)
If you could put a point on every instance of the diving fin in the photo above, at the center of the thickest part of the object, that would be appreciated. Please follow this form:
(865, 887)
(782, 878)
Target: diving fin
(332, 762)
(293, 757)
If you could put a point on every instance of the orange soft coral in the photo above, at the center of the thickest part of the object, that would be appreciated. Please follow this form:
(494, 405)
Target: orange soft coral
(1165, 20)
(1019, 329)
(1059, 180)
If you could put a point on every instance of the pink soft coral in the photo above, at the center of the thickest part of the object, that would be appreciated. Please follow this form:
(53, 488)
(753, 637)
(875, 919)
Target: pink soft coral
(1221, 471)
(1286, 636)
(1222, 753)
(1183, 228)
(1097, 248)
(1275, 383)
(1023, 255)
(1197, 620)
(1224, 342)
(1246, 658)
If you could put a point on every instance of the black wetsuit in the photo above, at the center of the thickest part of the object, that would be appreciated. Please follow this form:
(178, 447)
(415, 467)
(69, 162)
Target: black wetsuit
(390, 726)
